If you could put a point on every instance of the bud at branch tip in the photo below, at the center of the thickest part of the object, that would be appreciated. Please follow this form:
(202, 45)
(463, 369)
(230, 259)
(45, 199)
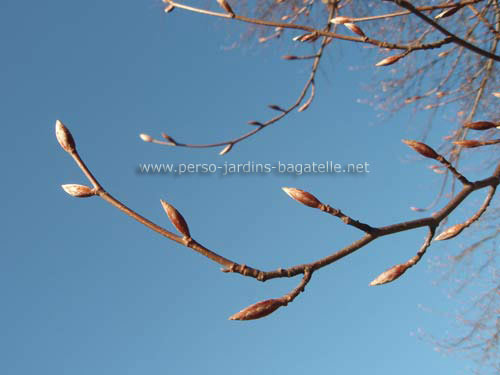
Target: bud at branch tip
(64, 137)
(258, 310)
(303, 197)
(421, 148)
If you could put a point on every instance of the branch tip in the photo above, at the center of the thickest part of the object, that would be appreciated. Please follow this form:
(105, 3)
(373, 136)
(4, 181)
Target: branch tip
(303, 197)
(64, 137)
(259, 309)
(421, 148)
(146, 137)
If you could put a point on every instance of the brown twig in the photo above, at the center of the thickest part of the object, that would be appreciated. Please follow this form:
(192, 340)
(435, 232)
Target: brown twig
(66, 140)
(327, 36)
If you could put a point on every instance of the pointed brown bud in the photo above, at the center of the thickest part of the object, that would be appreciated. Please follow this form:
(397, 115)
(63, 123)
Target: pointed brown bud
(303, 197)
(312, 37)
(355, 29)
(256, 123)
(390, 275)
(258, 310)
(169, 8)
(176, 218)
(341, 20)
(168, 138)
(421, 148)
(78, 191)
(305, 105)
(225, 5)
(289, 57)
(412, 99)
(437, 169)
(390, 60)
(481, 125)
(450, 232)
(146, 137)
(64, 137)
(417, 209)
(276, 108)
(468, 143)
(447, 12)
(226, 149)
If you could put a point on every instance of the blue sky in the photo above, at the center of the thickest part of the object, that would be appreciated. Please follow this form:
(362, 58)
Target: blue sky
(86, 290)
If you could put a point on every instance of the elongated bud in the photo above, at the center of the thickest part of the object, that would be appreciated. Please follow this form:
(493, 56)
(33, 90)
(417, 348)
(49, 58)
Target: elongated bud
(341, 20)
(355, 29)
(78, 191)
(176, 218)
(303, 197)
(168, 138)
(421, 148)
(437, 169)
(256, 123)
(496, 94)
(226, 149)
(64, 137)
(276, 107)
(289, 57)
(417, 209)
(309, 37)
(146, 137)
(481, 125)
(390, 275)
(305, 105)
(389, 60)
(169, 8)
(447, 13)
(468, 143)
(412, 99)
(450, 232)
(258, 310)
(225, 5)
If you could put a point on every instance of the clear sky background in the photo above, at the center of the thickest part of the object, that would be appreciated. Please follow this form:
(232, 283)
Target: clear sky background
(87, 290)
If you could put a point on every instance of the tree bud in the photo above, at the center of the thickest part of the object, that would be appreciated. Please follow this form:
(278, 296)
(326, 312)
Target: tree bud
(481, 125)
(303, 197)
(390, 275)
(258, 310)
(226, 149)
(355, 29)
(468, 143)
(341, 20)
(421, 148)
(450, 232)
(78, 191)
(389, 60)
(146, 137)
(64, 137)
(225, 5)
(176, 218)
(447, 12)
(276, 107)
